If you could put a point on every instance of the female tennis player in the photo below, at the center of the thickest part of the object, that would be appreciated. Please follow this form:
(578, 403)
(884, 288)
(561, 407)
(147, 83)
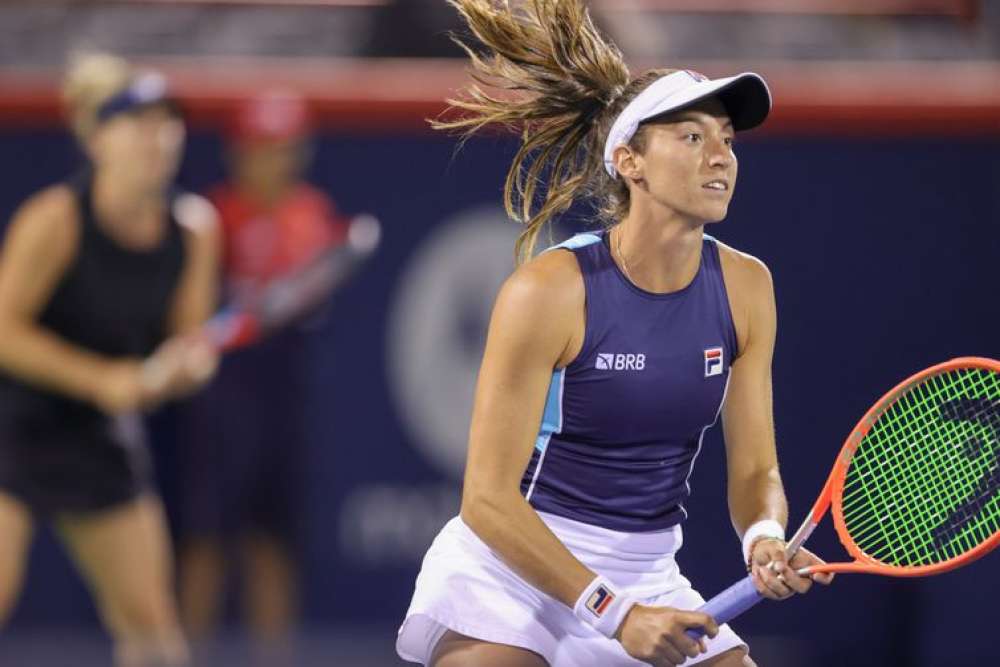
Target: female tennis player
(607, 359)
(102, 282)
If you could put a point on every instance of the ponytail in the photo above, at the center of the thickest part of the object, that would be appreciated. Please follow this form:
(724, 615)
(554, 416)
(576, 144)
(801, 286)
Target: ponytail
(565, 85)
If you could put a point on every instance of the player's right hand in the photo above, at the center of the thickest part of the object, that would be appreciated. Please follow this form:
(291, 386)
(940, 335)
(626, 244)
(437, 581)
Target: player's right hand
(178, 367)
(656, 635)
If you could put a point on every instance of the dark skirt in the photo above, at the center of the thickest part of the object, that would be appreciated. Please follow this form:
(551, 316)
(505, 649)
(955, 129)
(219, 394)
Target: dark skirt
(58, 457)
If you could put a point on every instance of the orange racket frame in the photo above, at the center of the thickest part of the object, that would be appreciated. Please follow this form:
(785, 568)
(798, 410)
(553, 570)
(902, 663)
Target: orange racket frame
(831, 497)
(742, 595)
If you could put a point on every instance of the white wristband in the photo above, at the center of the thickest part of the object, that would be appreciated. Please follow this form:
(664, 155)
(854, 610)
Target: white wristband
(602, 607)
(765, 528)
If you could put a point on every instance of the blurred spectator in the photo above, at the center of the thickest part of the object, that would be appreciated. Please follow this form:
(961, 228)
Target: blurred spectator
(243, 438)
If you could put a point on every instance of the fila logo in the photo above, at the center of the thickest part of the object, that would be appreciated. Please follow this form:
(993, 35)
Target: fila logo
(599, 601)
(620, 362)
(713, 361)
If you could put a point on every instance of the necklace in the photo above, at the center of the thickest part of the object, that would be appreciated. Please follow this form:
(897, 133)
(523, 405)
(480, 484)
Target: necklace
(621, 257)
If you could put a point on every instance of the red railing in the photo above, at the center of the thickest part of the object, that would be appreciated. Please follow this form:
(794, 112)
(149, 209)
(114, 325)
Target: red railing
(960, 98)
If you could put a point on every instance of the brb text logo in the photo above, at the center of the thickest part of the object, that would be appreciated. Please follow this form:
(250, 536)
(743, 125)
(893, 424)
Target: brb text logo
(620, 362)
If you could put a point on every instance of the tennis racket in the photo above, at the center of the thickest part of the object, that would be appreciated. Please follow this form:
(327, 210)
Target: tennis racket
(245, 321)
(283, 300)
(915, 490)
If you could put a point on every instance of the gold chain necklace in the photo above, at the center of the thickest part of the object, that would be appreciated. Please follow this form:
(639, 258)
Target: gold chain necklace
(621, 257)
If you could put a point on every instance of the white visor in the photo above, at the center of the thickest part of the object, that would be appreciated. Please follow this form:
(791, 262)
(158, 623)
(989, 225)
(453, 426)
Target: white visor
(744, 96)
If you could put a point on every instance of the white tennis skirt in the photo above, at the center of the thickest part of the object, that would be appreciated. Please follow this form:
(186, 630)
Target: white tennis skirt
(464, 586)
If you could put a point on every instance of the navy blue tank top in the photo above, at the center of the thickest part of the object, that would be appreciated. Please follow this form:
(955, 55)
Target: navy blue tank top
(624, 421)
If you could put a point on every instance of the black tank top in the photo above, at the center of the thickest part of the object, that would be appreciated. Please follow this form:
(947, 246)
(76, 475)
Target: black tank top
(112, 300)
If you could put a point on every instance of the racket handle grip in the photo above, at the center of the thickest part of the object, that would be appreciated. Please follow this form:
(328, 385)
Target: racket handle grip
(729, 604)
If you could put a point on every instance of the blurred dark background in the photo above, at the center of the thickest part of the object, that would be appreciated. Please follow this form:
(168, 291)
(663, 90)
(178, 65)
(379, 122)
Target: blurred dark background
(873, 194)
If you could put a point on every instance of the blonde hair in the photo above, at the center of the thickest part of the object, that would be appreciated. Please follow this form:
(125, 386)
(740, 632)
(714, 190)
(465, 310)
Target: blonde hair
(566, 84)
(92, 78)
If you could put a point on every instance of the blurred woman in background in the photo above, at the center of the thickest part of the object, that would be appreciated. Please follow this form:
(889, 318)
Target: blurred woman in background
(244, 437)
(104, 283)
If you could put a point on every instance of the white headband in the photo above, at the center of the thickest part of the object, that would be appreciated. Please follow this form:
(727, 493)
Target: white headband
(745, 97)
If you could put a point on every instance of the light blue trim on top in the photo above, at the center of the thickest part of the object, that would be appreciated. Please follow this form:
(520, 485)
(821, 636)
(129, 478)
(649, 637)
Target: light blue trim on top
(577, 241)
(552, 417)
(588, 238)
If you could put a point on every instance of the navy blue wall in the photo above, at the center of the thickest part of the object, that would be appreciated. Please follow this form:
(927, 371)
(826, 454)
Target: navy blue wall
(885, 256)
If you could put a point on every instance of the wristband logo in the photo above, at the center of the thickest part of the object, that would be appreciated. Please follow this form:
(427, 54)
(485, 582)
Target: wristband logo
(600, 600)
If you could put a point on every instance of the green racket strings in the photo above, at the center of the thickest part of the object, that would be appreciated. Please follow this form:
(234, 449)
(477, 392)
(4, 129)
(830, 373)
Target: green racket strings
(923, 485)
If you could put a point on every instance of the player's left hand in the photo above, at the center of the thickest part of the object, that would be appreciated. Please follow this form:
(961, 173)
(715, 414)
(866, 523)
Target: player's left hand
(778, 579)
